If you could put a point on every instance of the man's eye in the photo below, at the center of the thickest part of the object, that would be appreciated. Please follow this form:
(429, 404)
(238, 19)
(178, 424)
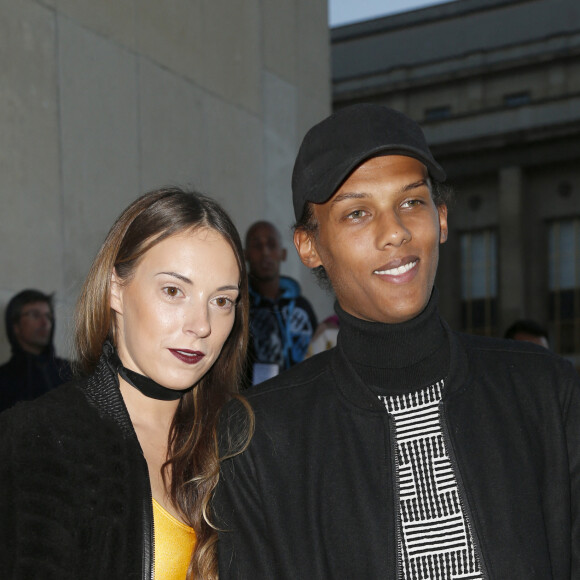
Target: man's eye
(357, 214)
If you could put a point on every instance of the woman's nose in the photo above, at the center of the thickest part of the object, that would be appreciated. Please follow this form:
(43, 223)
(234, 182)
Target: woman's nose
(197, 321)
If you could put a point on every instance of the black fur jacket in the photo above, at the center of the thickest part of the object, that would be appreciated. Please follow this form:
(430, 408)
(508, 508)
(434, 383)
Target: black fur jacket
(75, 499)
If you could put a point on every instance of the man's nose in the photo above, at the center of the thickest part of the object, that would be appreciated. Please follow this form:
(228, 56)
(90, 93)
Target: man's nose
(391, 230)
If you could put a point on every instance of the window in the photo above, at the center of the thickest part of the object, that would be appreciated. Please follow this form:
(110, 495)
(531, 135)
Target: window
(517, 99)
(479, 282)
(564, 284)
(438, 113)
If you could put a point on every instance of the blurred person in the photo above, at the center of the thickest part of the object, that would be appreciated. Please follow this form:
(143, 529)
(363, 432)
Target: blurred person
(325, 336)
(110, 476)
(528, 331)
(409, 451)
(33, 368)
(282, 321)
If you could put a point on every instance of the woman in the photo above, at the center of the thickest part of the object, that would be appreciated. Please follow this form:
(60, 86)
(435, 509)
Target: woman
(111, 476)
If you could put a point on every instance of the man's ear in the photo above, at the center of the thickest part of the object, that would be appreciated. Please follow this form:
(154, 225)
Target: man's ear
(116, 293)
(443, 229)
(306, 248)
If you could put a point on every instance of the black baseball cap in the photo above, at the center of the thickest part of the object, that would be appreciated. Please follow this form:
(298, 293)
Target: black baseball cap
(335, 147)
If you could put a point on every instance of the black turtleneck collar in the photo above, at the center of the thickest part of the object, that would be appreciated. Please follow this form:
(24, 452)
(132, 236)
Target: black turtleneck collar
(396, 358)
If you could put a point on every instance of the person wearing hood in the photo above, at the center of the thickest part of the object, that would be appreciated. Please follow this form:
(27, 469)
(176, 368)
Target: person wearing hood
(34, 368)
(282, 321)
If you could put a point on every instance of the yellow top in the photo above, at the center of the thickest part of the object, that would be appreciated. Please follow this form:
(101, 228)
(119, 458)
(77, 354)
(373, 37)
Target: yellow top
(174, 543)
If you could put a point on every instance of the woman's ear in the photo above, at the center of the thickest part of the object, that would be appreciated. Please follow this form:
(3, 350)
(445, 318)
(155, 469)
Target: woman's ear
(306, 248)
(116, 293)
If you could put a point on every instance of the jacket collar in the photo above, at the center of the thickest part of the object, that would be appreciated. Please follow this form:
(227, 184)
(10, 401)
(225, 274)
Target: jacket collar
(356, 392)
(102, 391)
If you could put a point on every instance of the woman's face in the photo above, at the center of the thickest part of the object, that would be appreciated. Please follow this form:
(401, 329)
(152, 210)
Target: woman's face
(174, 315)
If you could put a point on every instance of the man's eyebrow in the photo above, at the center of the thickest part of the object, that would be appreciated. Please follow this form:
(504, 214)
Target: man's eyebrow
(176, 275)
(348, 195)
(362, 195)
(415, 185)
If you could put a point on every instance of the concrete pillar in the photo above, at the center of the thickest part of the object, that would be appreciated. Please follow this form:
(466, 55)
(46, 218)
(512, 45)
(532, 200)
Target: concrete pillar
(511, 254)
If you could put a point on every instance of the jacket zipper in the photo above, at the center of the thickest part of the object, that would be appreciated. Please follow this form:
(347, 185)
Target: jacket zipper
(151, 552)
(396, 497)
(148, 529)
(461, 492)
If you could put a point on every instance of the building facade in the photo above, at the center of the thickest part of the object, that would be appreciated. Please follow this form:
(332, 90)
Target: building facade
(496, 86)
(103, 101)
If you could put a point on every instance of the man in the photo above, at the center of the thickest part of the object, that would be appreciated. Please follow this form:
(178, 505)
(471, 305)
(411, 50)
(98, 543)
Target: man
(409, 451)
(529, 331)
(282, 321)
(33, 368)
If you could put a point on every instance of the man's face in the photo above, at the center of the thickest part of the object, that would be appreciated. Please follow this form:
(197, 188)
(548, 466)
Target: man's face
(34, 327)
(264, 251)
(378, 239)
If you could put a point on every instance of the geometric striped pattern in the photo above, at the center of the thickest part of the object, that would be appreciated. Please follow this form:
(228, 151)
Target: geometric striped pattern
(435, 540)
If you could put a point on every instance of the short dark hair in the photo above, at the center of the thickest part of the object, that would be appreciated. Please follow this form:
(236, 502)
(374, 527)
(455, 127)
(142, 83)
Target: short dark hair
(527, 326)
(442, 194)
(17, 303)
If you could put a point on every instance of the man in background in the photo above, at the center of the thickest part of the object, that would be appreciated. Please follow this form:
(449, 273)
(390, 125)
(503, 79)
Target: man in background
(528, 331)
(33, 368)
(282, 321)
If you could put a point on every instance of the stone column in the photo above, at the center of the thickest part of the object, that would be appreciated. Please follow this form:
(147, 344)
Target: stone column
(511, 246)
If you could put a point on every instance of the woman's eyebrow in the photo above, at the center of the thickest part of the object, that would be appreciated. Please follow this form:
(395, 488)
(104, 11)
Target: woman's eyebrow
(176, 275)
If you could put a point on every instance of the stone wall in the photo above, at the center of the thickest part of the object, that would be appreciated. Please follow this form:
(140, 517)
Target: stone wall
(102, 101)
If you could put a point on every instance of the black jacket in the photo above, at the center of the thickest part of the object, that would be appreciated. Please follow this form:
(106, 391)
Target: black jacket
(75, 498)
(313, 496)
(27, 376)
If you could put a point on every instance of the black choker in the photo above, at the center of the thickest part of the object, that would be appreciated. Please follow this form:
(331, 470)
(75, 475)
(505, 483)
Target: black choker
(149, 387)
(146, 385)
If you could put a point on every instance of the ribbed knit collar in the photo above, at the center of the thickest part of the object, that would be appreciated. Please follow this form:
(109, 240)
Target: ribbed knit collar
(396, 357)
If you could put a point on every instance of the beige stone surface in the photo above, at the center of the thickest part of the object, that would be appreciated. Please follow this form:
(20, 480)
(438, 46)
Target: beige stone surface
(30, 220)
(235, 152)
(313, 49)
(114, 19)
(231, 51)
(99, 126)
(171, 33)
(279, 38)
(172, 130)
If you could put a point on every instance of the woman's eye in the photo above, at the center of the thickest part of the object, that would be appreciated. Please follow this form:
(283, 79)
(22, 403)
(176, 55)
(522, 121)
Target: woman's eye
(171, 291)
(224, 302)
(412, 203)
(357, 214)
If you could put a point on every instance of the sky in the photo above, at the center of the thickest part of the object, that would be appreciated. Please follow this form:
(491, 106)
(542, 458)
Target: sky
(345, 11)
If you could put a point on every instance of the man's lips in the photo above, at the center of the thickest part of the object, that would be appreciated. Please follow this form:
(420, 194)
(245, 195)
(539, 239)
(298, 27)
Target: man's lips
(190, 357)
(397, 267)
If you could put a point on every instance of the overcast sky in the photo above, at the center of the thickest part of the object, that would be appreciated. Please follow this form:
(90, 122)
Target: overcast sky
(346, 11)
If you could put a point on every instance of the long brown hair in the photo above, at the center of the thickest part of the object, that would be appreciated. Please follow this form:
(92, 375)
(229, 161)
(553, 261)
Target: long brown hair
(192, 466)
